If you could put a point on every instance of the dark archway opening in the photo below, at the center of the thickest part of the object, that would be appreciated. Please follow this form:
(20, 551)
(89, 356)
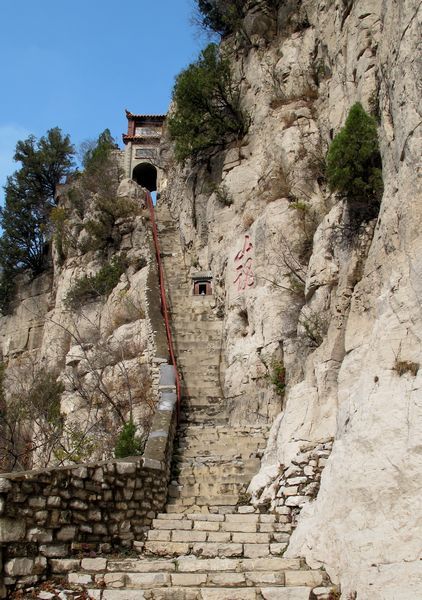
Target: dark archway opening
(145, 175)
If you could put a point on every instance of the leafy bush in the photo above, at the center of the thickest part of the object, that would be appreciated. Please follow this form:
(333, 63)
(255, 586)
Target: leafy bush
(95, 286)
(278, 377)
(207, 105)
(226, 16)
(354, 166)
(405, 366)
(223, 194)
(221, 16)
(97, 188)
(128, 443)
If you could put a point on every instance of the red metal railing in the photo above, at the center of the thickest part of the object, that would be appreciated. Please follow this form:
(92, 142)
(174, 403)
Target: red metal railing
(164, 307)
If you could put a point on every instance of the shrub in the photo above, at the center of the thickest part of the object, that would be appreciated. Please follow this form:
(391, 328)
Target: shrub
(30, 418)
(401, 367)
(315, 327)
(221, 16)
(128, 443)
(95, 286)
(97, 188)
(223, 194)
(278, 377)
(226, 16)
(354, 166)
(207, 105)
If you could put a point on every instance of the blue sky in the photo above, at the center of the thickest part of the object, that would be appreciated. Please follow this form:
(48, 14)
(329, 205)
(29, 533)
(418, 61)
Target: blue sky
(78, 64)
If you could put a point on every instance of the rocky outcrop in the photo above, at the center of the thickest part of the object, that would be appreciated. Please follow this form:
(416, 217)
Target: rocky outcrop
(320, 321)
(93, 345)
(335, 311)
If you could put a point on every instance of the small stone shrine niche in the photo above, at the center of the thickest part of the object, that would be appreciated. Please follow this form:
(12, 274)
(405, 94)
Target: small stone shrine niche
(202, 284)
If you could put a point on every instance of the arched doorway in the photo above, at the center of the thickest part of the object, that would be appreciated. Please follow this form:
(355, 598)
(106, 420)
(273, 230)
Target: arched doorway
(145, 174)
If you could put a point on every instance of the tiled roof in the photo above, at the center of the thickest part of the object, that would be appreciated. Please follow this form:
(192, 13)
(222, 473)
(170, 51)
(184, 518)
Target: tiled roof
(130, 115)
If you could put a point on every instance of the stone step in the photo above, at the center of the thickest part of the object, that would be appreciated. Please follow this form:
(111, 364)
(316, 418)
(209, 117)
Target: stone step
(194, 593)
(207, 488)
(177, 509)
(204, 478)
(219, 537)
(231, 446)
(249, 522)
(219, 447)
(218, 418)
(188, 564)
(211, 531)
(202, 579)
(220, 500)
(197, 430)
(215, 476)
(214, 549)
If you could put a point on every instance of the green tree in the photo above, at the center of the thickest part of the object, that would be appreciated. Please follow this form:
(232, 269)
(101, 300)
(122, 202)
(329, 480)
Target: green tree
(207, 105)
(128, 444)
(101, 178)
(226, 16)
(30, 194)
(221, 16)
(354, 167)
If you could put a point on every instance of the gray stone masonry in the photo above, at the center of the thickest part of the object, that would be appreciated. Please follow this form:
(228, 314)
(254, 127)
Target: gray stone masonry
(52, 514)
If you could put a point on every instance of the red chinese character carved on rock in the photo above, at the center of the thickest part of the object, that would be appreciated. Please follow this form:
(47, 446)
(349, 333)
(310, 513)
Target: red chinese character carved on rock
(243, 264)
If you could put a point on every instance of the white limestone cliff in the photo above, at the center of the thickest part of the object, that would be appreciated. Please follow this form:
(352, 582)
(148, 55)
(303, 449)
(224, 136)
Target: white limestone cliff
(362, 298)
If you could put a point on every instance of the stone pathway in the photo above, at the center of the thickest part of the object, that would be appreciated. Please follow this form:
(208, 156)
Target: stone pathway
(209, 544)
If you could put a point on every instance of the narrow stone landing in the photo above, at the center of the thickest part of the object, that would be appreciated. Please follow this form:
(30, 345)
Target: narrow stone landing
(209, 544)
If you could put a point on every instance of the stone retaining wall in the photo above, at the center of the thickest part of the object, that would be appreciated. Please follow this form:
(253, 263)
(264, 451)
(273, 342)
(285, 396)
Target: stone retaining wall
(298, 483)
(59, 512)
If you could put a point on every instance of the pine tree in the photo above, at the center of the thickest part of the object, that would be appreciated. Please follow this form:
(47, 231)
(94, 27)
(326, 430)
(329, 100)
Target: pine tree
(207, 105)
(30, 194)
(354, 167)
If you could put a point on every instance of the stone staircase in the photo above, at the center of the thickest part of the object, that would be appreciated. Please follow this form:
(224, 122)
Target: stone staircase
(197, 332)
(209, 544)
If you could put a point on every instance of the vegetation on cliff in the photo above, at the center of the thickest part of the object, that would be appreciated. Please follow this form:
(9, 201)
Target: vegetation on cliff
(226, 16)
(207, 105)
(354, 167)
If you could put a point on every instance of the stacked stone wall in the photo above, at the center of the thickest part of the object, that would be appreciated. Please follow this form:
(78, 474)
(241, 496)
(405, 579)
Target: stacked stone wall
(296, 484)
(49, 514)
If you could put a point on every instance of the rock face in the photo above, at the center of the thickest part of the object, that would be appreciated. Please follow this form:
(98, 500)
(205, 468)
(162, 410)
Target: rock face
(321, 322)
(79, 363)
(330, 316)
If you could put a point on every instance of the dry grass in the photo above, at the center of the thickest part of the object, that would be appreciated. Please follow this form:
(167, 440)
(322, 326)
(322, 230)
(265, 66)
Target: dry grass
(401, 367)
(247, 221)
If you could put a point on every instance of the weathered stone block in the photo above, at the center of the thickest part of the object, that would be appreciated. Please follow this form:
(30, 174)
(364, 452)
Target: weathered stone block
(64, 565)
(292, 593)
(298, 578)
(94, 564)
(19, 566)
(256, 550)
(37, 502)
(37, 534)
(54, 501)
(191, 579)
(79, 578)
(54, 550)
(126, 468)
(5, 485)
(66, 534)
(11, 530)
